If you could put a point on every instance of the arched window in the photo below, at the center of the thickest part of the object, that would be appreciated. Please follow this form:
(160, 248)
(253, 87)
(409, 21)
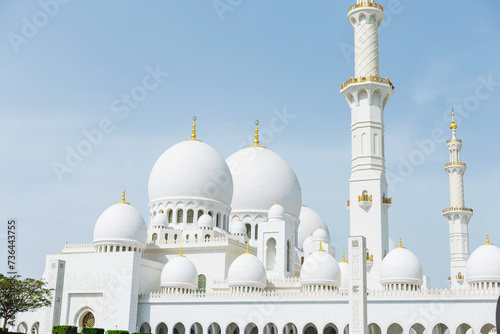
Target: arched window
(225, 222)
(217, 222)
(249, 231)
(270, 254)
(256, 231)
(288, 255)
(200, 213)
(175, 237)
(180, 216)
(187, 236)
(210, 214)
(170, 214)
(190, 216)
(207, 237)
(88, 320)
(166, 236)
(202, 283)
(154, 238)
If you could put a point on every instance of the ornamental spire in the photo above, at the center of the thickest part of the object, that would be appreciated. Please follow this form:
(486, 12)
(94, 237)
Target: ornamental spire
(400, 244)
(343, 258)
(123, 199)
(487, 240)
(256, 136)
(453, 125)
(193, 132)
(180, 253)
(320, 247)
(248, 248)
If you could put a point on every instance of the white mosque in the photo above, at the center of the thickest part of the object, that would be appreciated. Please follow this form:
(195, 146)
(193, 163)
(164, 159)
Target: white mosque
(229, 247)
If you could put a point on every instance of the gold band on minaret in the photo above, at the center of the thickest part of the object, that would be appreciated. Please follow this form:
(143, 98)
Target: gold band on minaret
(453, 125)
(123, 199)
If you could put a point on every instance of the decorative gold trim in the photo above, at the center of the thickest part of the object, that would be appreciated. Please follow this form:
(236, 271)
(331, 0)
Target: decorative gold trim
(123, 199)
(454, 141)
(455, 164)
(365, 198)
(386, 200)
(366, 79)
(366, 4)
(457, 208)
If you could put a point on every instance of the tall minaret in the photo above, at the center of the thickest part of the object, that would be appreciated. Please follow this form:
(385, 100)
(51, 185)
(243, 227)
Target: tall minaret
(367, 94)
(457, 214)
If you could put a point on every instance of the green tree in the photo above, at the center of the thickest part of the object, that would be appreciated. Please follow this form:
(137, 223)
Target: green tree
(21, 295)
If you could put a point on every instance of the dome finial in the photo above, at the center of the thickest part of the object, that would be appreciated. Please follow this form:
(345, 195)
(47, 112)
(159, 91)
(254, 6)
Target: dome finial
(193, 132)
(343, 258)
(180, 252)
(248, 248)
(123, 198)
(320, 247)
(453, 125)
(487, 239)
(256, 136)
(400, 244)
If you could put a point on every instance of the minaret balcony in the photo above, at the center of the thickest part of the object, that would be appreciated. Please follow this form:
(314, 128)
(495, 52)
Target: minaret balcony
(369, 78)
(457, 208)
(365, 201)
(454, 141)
(449, 164)
(386, 202)
(366, 4)
(459, 278)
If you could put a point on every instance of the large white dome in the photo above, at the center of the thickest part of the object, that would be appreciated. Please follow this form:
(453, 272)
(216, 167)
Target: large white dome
(247, 271)
(120, 222)
(484, 264)
(180, 273)
(191, 169)
(261, 177)
(400, 266)
(310, 221)
(320, 268)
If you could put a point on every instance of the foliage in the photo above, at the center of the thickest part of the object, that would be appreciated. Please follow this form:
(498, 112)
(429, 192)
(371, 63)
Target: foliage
(117, 332)
(93, 331)
(64, 330)
(21, 295)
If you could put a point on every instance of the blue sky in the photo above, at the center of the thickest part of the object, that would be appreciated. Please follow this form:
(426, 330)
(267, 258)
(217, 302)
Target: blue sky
(255, 60)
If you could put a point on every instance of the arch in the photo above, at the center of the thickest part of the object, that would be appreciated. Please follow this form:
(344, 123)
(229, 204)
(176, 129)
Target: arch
(166, 237)
(154, 237)
(202, 283)
(330, 329)
(362, 95)
(417, 329)
(373, 328)
(256, 233)
(180, 216)
(376, 97)
(35, 328)
(310, 329)
(22, 327)
(346, 329)
(350, 98)
(210, 214)
(200, 213)
(170, 215)
(288, 255)
(179, 328)
(290, 328)
(395, 329)
(218, 220)
(270, 254)
(248, 228)
(161, 328)
(190, 216)
(232, 328)
(196, 328)
(214, 328)
(486, 329)
(145, 328)
(270, 328)
(251, 328)
(362, 19)
(464, 329)
(440, 329)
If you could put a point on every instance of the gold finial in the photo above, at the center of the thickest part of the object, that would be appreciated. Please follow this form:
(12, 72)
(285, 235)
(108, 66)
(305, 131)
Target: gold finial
(123, 198)
(248, 248)
(277, 202)
(311, 234)
(371, 257)
(400, 244)
(453, 125)
(256, 136)
(320, 247)
(343, 258)
(180, 253)
(193, 132)
(487, 240)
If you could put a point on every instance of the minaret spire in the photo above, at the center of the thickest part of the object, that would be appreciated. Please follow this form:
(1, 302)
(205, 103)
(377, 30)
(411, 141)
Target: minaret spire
(193, 132)
(367, 95)
(457, 214)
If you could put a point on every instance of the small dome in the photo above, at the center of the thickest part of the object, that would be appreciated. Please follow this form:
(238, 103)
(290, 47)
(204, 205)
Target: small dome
(320, 268)
(120, 222)
(484, 264)
(310, 221)
(247, 271)
(308, 241)
(276, 213)
(160, 220)
(321, 235)
(180, 273)
(400, 266)
(238, 228)
(206, 221)
(191, 169)
(260, 178)
(344, 273)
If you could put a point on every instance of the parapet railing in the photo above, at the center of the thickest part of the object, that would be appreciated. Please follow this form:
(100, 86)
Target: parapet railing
(366, 79)
(366, 4)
